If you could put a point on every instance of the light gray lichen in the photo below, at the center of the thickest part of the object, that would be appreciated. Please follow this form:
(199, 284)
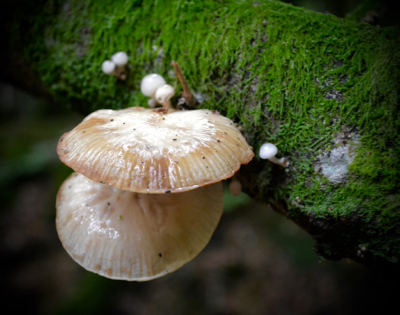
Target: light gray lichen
(334, 164)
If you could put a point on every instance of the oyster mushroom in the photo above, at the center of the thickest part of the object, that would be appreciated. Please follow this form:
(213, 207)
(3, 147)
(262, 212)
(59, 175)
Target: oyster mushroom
(130, 236)
(147, 151)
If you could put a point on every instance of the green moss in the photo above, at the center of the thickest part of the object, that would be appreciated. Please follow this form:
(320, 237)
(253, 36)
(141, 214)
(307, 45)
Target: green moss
(270, 67)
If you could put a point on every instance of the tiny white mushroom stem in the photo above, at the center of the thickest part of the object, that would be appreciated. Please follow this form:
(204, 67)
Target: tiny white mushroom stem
(120, 59)
(282, 161)
(268, 151)
(120, 73)
(187, 94)
(149, 85)
(163, 95)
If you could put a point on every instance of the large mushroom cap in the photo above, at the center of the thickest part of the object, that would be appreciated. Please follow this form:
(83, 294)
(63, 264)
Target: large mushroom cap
(130, 236)
(146, 151)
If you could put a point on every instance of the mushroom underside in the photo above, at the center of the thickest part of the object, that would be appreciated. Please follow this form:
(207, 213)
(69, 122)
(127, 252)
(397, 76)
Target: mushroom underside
(131, 236)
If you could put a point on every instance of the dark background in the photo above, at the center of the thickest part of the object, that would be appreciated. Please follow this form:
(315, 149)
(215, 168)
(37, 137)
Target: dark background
(256, 263)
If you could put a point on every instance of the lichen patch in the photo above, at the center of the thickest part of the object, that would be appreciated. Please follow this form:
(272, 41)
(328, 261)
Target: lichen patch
(334, 164)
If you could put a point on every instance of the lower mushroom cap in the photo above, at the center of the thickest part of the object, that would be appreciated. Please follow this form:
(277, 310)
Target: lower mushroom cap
(130, 236)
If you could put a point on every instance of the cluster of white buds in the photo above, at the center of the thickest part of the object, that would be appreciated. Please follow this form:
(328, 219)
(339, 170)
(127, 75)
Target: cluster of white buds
(155, 86)
(116, 66)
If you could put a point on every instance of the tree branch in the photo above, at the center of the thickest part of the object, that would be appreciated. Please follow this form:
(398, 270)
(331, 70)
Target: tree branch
(324, 90)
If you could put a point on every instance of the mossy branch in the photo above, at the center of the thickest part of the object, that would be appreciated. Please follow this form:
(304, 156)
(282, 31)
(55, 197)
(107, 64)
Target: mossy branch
(323, 89)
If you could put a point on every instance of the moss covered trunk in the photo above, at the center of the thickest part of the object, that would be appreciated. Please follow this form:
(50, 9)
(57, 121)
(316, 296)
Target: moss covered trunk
(324, 90)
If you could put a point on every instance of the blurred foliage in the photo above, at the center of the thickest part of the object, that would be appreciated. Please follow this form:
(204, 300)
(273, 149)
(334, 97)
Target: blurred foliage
(29, 132)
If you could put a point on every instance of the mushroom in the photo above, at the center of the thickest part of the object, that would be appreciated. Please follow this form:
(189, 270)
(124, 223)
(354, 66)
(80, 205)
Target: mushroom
(116, 66)
(147, 151)
(152, 102)
(117, 217)
(152, 83)
(130, 236)
(268, 151)
(120, 58)
(163, 95)
(108, 67)
(149, 85)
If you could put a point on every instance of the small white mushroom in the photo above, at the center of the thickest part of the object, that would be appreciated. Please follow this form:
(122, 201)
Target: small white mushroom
(116, 66)
(186, 149)
(152, 103)
(268, 151)
(108, 67)
(164, 93)
(150, 83)
(120, 58)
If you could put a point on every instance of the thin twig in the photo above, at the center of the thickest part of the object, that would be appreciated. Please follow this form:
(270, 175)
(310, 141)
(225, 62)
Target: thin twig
(187, 94)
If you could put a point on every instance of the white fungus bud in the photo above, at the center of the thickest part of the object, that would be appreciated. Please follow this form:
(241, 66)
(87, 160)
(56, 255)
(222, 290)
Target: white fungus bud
(150, 83)
(120, 58)
(108, 67)
(164, 93)
(152, 102)
(268, 151)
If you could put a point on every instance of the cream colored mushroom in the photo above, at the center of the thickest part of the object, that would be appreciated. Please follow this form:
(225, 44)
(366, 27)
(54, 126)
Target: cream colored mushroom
(147, 151)
(130, 236)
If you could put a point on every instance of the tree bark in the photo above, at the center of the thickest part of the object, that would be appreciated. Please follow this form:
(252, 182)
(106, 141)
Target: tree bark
(323, 89)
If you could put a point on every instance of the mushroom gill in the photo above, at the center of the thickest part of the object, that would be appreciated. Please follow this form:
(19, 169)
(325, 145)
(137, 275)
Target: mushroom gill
(130, 236)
